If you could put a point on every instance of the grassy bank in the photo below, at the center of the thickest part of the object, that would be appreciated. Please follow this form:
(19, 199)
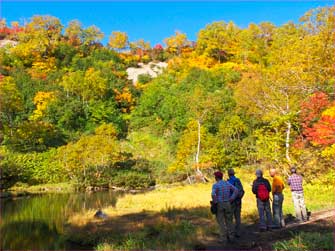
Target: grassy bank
(173, 218)
(22, 189)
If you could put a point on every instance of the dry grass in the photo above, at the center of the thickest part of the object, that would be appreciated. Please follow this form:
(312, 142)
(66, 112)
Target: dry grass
(198, 196)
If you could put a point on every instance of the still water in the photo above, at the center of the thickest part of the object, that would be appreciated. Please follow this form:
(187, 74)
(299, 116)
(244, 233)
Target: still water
(37, 222)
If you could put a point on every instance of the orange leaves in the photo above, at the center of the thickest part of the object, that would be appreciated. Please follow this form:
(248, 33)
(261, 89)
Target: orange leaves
(125, 99)
(323, 131)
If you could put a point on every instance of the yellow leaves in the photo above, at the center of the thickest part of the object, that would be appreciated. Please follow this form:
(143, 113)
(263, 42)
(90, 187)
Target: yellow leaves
(219, 40)
(88, 85)
(329, 152)
(177, 42)
(40, 69)
(185, 63)
(41, 101)
(129, 58)
(202, 62)
(107, 130)
(10, 97)
(100, 149)
(329, 112)
(118, 40)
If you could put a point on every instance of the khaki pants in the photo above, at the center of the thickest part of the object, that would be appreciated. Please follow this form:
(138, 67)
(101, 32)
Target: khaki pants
(299, 206)
(224, 218)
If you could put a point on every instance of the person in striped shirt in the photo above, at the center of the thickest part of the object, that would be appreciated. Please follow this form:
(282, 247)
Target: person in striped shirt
(295, 183)
(223, 193)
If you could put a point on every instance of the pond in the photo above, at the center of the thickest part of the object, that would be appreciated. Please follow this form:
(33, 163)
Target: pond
(37, 222)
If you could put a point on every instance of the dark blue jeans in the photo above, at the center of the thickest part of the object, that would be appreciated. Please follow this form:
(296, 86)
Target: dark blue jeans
(277, 208)
(264, 211)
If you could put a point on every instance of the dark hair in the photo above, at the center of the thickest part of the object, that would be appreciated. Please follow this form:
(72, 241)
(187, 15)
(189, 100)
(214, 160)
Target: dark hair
(231, 172)
(218, 175)
(293, 169)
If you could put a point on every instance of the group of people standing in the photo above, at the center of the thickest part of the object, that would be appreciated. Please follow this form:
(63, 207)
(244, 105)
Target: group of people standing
(227, 197)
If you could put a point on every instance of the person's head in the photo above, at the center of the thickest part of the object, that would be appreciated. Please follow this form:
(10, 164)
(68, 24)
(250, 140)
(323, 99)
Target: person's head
(231, 172)
(293, 169)
(218, 175)
(272, 172)
(259, 173)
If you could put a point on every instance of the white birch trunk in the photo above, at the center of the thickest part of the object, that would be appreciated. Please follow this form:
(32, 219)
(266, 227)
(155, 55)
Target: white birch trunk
(287, 142)
(198, 147)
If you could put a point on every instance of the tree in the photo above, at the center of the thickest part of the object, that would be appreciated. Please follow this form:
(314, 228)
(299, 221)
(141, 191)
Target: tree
(201, 105)
(34, 136)
(92, 155)
(87, 85)
(118, 40)
(41, 101)
(92, 35)
(177, 42)
(219, 40)
(11, 103)
(39, 38)
(74, 32)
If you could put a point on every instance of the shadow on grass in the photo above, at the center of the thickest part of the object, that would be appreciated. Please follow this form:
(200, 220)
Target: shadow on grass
(176, 229)
(169, 229)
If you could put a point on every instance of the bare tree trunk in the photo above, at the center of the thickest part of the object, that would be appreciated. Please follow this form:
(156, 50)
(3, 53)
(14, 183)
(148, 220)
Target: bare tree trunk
(198, 152)
(287, 142)
(198, 147)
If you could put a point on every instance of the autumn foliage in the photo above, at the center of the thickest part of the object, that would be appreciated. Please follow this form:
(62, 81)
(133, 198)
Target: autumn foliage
(235, 97)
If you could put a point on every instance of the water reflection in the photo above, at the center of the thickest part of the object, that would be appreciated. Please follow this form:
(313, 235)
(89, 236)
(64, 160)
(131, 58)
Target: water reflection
(37, 222)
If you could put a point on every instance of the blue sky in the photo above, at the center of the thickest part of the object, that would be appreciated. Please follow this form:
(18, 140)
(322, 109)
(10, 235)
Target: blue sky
(155, 20)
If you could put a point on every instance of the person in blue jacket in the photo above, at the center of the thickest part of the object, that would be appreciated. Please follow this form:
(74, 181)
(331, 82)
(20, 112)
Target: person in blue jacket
(237, 203)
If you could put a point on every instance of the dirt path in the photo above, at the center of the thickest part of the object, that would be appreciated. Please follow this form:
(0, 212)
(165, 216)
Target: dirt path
(251, 239)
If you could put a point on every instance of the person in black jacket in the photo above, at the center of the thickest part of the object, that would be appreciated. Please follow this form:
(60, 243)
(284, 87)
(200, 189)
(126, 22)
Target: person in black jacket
(261, 188)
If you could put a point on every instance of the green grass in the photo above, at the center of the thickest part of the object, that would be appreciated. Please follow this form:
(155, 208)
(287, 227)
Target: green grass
(305, 241)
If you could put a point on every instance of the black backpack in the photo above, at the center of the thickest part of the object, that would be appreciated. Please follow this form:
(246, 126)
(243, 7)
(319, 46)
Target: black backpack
(239, 186)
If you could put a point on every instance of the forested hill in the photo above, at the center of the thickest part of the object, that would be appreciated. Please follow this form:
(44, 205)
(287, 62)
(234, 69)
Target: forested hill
(263, 95)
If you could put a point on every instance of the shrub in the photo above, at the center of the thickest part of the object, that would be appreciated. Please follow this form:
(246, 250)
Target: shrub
(32, 168)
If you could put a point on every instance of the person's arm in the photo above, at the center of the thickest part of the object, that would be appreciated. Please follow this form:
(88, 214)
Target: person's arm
(268, 185)
(282, 184)
(214, 197)
(289, 181)
(234, 194)
(240, 183)
(254, 187)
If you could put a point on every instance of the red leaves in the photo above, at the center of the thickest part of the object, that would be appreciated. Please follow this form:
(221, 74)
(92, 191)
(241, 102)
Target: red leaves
(323, 132)
(158, 47)
(9, 31)
(319, 126)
